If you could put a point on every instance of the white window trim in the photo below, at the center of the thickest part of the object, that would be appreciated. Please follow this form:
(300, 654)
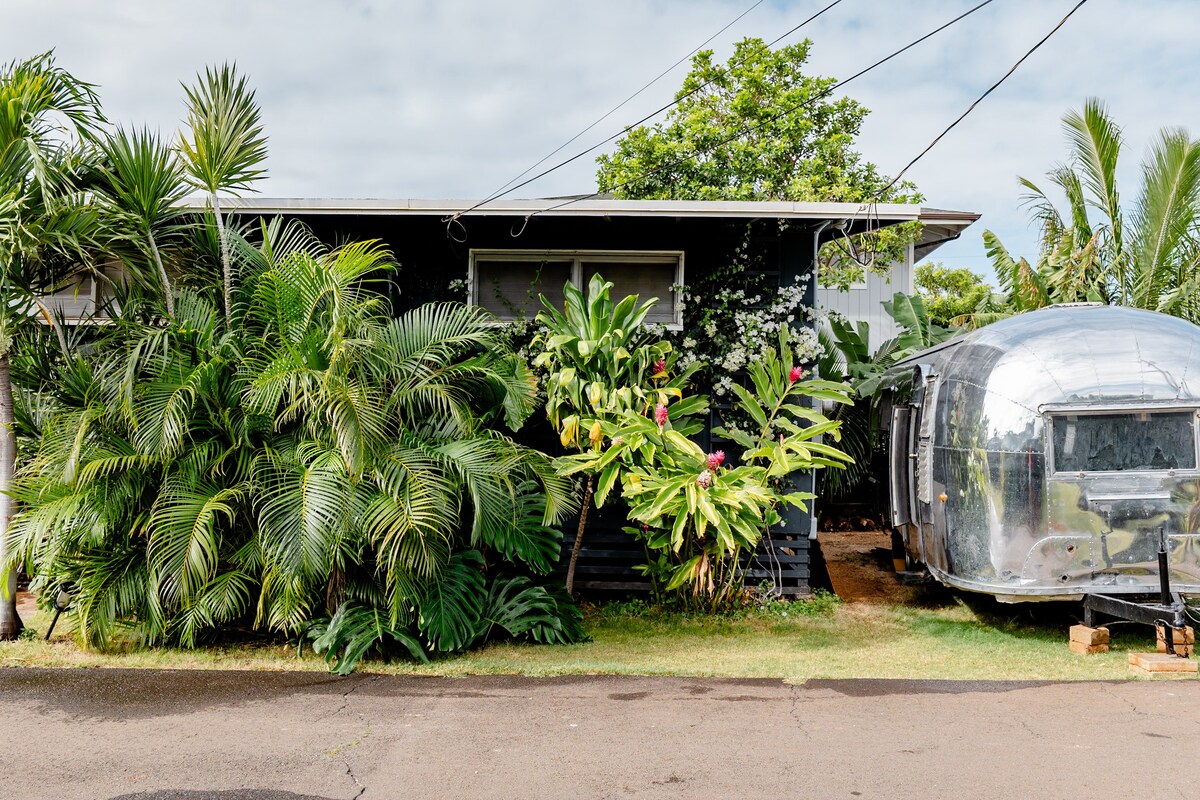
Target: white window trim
(578, 259)
(69, 293)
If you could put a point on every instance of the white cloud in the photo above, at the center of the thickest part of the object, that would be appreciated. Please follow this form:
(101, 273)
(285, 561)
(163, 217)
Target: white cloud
(453, 98)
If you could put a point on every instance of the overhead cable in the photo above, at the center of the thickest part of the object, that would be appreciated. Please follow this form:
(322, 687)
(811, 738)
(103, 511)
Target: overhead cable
(786, 111)
(979, 99)
(848, 248)
(651, 115)
(502, 190)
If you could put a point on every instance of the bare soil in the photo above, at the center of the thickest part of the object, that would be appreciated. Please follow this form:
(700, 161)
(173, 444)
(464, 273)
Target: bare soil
(860, 567)
(26, 605)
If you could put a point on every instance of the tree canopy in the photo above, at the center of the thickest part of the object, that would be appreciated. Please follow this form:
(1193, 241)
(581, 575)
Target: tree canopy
(949, 292)
(1144, 255)
(757, 128)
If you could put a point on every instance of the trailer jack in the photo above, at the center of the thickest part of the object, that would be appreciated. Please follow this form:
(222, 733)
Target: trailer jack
(1168, 615)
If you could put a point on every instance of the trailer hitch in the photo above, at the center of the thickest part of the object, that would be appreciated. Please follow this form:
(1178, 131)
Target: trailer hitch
(1168, 615)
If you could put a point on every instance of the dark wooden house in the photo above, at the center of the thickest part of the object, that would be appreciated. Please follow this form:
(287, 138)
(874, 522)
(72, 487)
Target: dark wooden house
(506, 252)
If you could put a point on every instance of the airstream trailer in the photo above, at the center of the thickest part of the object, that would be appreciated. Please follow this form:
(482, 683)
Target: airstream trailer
(1045, 456)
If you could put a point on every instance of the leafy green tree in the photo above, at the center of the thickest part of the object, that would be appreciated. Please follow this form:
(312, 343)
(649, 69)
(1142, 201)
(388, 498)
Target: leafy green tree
(758, 128)
(1144, 255)
(47, 119)
(950, 294)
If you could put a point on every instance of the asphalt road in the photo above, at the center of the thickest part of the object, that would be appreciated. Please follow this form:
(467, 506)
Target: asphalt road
(273, 736)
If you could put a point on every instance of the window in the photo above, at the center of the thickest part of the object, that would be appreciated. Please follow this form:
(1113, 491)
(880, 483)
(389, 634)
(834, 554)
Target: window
(508, 283)
(1138, 440)
(74, 302)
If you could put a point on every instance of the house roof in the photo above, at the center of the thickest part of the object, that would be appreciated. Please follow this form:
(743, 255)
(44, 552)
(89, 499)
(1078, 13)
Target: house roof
(590, 207)
(940, 225)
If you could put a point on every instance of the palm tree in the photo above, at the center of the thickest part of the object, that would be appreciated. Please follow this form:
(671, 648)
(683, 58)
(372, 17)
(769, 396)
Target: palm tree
(1145, 256)
(313, 452)
(141, 180)
(223, 148)
(46, 117)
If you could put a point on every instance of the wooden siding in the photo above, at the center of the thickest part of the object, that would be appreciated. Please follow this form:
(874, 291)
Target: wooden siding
(609, 556)
(863, 300)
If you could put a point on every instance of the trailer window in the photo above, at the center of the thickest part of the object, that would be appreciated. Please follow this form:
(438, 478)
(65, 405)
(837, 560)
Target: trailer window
(1121, 442)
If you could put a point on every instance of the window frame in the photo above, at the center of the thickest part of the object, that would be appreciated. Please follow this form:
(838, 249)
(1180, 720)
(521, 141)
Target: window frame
(579, 260)
(1052, 412)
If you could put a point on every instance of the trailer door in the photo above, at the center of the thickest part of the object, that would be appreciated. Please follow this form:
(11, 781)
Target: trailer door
(898, 467)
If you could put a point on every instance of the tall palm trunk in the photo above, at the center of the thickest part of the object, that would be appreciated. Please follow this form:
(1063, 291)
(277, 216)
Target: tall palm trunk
(168, 290)
(10, 621)
(226, 269)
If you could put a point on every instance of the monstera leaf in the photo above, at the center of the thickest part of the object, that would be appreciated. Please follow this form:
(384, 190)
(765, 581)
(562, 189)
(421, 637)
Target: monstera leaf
(451, 608)
(525, 610)
(356, 630)
(525, 537)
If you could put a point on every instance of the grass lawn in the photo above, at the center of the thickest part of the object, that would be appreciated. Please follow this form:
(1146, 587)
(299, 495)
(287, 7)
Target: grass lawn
(939, 636)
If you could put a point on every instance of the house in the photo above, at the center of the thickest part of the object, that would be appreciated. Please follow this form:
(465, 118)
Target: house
(507, 252)
(861, 302)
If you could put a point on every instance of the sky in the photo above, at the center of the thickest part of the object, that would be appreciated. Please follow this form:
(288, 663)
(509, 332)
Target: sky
(441, 99)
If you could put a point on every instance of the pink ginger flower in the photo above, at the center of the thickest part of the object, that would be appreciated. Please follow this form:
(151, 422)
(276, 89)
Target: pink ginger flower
(660, 415)
(704, 480)
(715, 460)
(795, 374)
(660, 366)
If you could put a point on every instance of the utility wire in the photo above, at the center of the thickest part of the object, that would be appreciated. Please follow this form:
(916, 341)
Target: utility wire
(790, 109)
(848, 248)
(500, 192)
(980, 99)
(651, 115)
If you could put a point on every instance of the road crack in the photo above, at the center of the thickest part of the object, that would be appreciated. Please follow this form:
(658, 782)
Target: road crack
(794, 712)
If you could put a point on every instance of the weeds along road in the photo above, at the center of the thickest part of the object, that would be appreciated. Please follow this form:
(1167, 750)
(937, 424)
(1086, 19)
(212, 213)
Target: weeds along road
(269, 736)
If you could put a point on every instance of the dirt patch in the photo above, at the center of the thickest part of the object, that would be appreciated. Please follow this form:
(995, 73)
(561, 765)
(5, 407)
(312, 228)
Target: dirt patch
(26, 606)
(860, 567)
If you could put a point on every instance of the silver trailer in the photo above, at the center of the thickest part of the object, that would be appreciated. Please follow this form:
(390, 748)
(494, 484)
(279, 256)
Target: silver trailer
(1042, 457)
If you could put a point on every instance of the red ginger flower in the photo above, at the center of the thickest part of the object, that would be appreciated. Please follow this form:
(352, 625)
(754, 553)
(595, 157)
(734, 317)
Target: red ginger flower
(795, 374)
(660, 366)
(660, 415)
(715, 460)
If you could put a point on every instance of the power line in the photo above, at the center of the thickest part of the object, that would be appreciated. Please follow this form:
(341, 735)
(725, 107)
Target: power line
(789, 110)
(649, 116)
(980, 99)
(499, 192)
(848, 248)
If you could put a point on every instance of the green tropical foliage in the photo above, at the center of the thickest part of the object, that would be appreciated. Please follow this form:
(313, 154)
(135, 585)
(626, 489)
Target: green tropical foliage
(848, 355)
(699, 516)
(140, 182)
(515, 606)
(950, 294)
(1144, 255)
(47, 121)
(197, 475)
(759, 128)
(308, 457)
(223, 148)
(603, 363)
